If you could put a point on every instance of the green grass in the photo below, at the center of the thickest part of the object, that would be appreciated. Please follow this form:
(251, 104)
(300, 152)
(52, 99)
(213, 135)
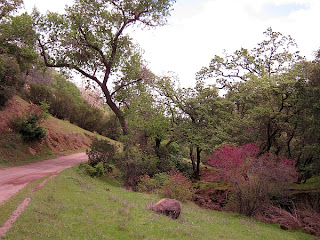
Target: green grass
(14, 151)
(75, 206)
(62, 126)
(311, 184)
(9, 206)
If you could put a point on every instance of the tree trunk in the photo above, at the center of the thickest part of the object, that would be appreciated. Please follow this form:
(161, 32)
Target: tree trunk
(197, 172)
(192, 159)
(116, 110)
(157, 147)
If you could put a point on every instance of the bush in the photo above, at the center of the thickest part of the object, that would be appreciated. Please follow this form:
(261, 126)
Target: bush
(161, 178)
(76, 111)
(100, 169)
(91, 171)
(177, 187)
(134, 164)
(254, 179)
(147, 184)
(28, 126)
(101, 152)
(30, 130)
(181, 165)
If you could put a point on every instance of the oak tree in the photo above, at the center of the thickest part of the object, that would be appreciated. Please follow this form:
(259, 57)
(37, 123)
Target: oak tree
(92, 38)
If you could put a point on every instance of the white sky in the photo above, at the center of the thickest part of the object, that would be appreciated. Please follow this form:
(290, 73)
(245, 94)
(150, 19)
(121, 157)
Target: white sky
(199, 29)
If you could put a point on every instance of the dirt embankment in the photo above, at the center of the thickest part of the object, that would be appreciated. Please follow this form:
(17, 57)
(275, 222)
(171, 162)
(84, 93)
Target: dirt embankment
(62, 137)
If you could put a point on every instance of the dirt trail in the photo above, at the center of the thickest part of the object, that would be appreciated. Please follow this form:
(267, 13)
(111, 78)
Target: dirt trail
(15, 178)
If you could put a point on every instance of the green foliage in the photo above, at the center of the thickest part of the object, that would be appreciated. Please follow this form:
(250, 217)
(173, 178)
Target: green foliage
(273, 56)
(76, 111)
(161, 178)
(101, 151)
(111, 128)
(147, 184)
(9, 78)
(30, 130)
(17, 52)
(88, 169)
(8, 7)
(177, 187)
(198, 115)
(62, 85)
(133, 163)
(28, 125)
(90, 38)
(97, 171)
(17, 40)
(147, 115)
(275, 97)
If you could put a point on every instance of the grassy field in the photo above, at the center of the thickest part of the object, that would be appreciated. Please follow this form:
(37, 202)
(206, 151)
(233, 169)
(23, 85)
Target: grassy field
(75, 206)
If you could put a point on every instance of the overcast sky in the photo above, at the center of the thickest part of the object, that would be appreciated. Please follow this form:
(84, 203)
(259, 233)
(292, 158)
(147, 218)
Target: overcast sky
(199, 29)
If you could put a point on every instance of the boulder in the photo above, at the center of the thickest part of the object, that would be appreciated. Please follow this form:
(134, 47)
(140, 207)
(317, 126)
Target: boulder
(169, 207)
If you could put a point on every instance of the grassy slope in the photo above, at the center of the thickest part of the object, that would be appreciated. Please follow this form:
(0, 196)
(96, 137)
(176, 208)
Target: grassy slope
(75, 206)
(14, 151)
(311, 184)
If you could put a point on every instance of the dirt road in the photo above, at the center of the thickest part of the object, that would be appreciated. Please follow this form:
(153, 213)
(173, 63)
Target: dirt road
(15, 178)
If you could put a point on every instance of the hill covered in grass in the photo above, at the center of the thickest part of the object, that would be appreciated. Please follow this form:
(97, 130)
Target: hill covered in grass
(76, 206)
(62, 138)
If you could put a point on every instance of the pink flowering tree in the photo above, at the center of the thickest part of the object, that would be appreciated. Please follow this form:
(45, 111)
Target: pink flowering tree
(233, 161)
(254, 178)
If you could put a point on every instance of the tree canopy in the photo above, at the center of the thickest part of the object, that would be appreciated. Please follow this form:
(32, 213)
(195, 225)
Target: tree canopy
(91, 38)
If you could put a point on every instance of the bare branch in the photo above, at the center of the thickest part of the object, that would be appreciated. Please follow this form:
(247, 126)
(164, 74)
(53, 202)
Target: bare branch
(125, 85)
(65, 65)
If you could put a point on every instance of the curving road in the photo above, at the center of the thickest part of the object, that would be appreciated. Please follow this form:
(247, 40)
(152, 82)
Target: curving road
(15, 178)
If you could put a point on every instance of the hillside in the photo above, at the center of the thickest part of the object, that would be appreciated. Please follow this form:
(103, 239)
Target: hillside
(62, 138)
(76, 206)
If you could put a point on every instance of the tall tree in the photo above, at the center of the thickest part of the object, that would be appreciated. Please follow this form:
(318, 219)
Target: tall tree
(264, 84)
(200, 116)
(17, 53)
(91, 39)
(9, 6)
(275, 55)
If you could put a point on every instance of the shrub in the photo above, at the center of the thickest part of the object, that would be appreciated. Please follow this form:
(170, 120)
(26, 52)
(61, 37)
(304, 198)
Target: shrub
(161, 178)
(177, 187)
(28, 125)
(134, 164)
(91, 171)
(101, 151)
(76, 111)
(147, 184)
(30, 130)
(254, 179)
(100, 169)
(181, 165)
